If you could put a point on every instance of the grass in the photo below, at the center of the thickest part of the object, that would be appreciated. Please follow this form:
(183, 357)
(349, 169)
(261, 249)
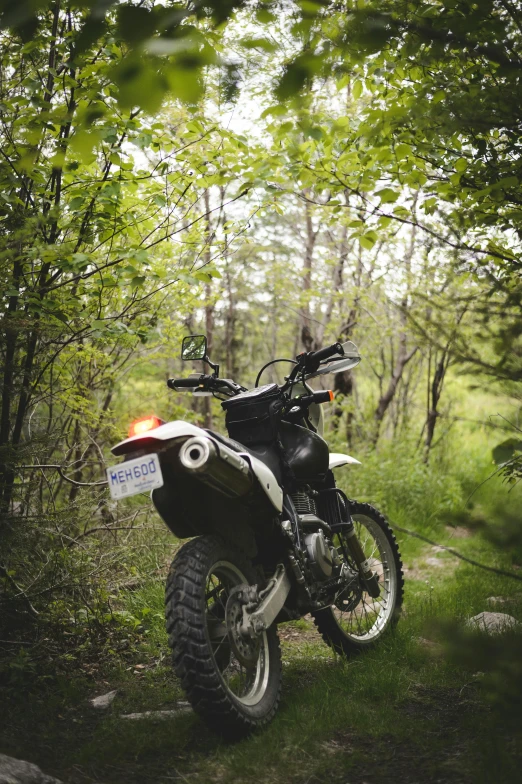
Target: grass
(410, 710)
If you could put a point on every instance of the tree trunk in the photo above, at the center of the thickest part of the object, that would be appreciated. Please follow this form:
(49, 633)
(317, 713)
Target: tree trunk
(209, 313)
(385, 399)
(306, 330)
(437, 383)
(344, 383)
(403, 356)
(435, 393)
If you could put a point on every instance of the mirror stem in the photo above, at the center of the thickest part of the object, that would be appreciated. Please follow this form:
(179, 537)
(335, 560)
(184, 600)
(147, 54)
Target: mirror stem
(214, 367)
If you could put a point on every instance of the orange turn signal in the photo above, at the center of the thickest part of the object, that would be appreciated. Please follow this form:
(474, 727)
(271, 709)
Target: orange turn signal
(140, 426)
(330, 392)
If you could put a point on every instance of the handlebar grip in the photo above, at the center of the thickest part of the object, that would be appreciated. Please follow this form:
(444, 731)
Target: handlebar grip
(323, 396)
(314, 358)
(329, 351)
(184, 383)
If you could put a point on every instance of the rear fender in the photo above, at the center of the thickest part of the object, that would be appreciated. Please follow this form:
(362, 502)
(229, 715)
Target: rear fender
(169, 434)
(170, 431)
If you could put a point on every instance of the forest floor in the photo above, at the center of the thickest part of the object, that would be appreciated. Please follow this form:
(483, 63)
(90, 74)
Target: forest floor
(416, 709)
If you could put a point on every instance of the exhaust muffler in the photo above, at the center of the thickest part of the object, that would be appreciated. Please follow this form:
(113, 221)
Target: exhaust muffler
(216, 465)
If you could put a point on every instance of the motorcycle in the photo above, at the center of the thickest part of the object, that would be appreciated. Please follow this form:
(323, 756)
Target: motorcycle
(271, 536)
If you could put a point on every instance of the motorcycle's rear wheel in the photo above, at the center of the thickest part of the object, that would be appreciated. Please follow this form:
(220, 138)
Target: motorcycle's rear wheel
(232, 698)
(357, 622)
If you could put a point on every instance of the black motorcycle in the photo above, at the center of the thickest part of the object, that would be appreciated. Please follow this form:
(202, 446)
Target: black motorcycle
(271, 536)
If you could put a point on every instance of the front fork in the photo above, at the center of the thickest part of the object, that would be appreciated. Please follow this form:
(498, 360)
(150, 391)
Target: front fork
(369, 578)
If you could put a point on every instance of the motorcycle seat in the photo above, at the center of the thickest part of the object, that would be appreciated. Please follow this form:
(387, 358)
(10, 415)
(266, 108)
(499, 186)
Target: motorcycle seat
(234, 445)
(267, 453)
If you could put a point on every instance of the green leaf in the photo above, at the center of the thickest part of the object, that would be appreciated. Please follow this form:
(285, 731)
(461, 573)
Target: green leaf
(367, 241)
(387, 195)
(505, 451)
(357, 89)
(135, 24)
(508, 182)
(315, 133)
(274, 111)
(186, 84)
(206, 277)
(295, 75)
(258, 43)
(83, 143)
(76, 203)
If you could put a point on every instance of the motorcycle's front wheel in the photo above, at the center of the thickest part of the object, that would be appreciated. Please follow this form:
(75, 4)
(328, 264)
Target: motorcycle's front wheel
(233, 685)
(356, 621)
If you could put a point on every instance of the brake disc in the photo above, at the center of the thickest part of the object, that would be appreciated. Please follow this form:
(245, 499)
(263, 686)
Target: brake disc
(245, 647)
(349, 598)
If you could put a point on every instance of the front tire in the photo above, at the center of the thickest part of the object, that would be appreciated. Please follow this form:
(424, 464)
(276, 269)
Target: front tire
(233, 699)
(357, 622)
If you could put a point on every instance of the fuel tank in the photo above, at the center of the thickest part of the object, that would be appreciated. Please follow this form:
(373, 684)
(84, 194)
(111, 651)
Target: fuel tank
(306, 452)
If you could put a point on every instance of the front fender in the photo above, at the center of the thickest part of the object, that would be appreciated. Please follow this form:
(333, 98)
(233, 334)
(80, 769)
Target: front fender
(336, 460)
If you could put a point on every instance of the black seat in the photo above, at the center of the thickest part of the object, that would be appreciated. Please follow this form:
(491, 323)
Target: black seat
(235, 445)
(267, 453)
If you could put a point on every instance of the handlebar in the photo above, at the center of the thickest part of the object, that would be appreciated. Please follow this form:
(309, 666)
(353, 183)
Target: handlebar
(306, 363)
(205, 382)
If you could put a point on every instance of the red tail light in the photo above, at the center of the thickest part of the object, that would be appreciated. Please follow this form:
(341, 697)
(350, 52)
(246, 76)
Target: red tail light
(140, 426)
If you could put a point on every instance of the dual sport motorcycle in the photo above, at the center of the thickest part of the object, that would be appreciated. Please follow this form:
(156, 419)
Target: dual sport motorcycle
(272, 537)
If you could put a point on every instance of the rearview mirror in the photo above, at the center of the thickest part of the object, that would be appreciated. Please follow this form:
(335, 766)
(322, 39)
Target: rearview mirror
(194, 347)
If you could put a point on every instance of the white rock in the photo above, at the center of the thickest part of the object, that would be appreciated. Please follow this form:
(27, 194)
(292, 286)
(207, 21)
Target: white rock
(162, 715)
(430, 645)
(104, 700)
(15, 771)
(435, 562)
(494, 622)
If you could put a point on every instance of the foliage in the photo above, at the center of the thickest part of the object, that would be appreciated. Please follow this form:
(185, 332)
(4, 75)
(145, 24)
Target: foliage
(104, 231)
(508, 456)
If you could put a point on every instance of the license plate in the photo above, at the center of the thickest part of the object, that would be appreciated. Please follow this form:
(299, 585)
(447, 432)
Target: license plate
(135, 476)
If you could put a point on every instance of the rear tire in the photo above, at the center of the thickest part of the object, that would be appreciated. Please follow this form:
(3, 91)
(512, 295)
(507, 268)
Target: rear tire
(359, 622)
(232, 699)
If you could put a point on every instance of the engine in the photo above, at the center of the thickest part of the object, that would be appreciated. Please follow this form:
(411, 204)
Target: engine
(322, 556)
(325, 571)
